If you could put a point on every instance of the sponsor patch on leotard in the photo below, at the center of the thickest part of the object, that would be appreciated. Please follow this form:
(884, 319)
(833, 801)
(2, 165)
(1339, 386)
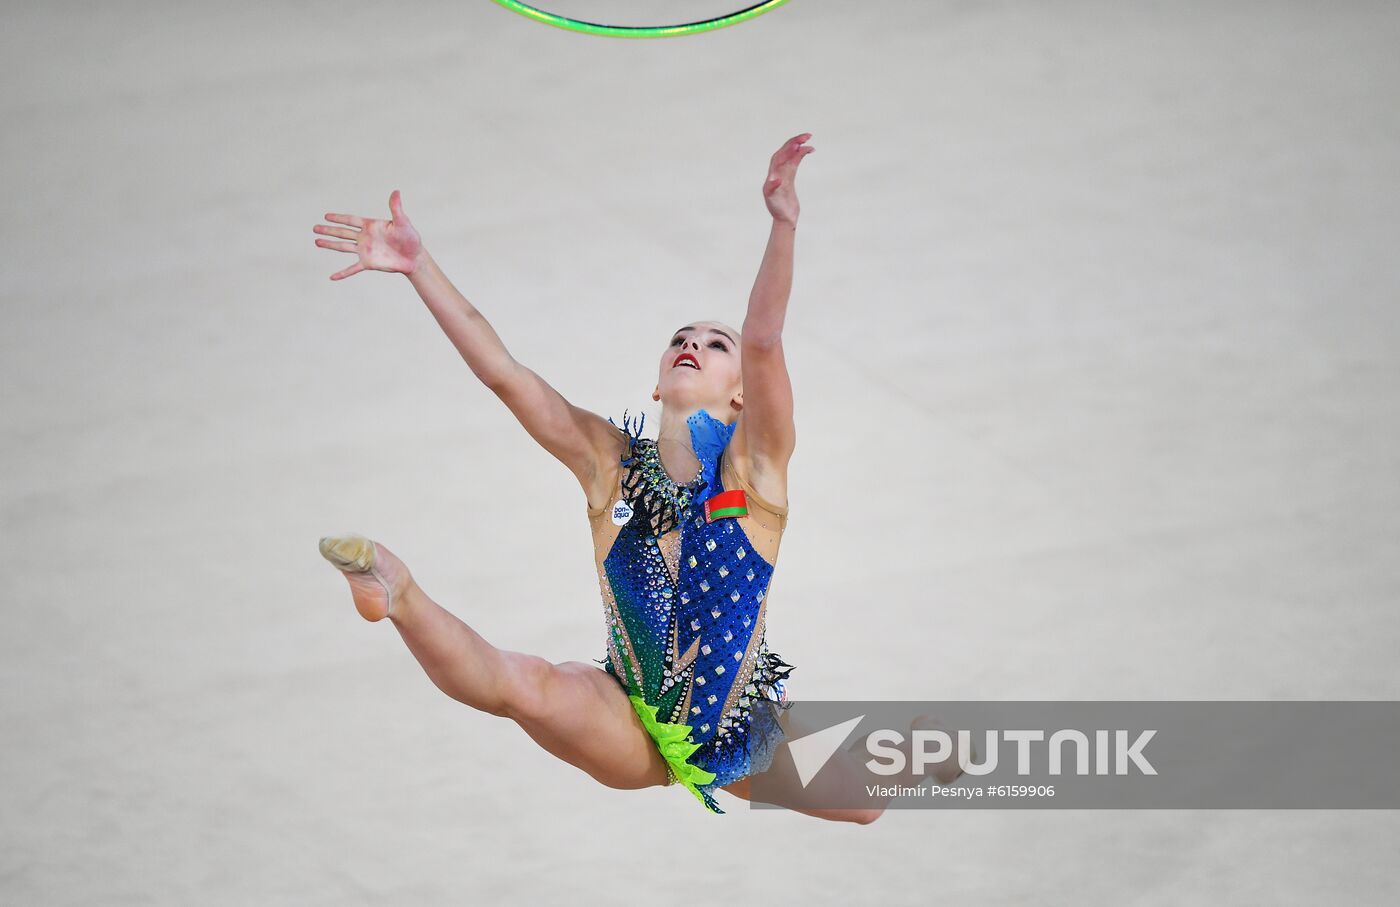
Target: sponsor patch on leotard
(621, 513)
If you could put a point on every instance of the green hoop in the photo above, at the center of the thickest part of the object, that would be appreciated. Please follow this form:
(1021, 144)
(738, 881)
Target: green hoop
(639, 31)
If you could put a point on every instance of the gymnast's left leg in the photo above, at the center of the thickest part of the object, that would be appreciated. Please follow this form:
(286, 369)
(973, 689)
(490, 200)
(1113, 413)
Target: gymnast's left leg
(840, 778)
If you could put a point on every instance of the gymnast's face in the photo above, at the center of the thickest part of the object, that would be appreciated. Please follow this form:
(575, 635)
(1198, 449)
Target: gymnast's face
(700, 369)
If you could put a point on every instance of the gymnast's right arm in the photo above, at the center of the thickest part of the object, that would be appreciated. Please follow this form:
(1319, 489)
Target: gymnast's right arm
(581, 440)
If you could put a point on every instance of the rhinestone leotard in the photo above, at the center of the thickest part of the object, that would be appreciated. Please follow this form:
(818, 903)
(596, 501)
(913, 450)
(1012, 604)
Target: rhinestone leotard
(684, 600)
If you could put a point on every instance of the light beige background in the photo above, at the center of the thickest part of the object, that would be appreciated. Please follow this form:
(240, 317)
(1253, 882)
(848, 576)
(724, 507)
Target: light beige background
(1093, 337)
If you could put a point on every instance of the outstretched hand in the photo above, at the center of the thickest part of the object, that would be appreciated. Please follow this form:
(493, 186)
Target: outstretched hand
(382, 245)
(778, 190)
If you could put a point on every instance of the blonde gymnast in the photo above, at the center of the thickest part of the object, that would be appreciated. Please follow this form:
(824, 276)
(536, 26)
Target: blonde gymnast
(686, 530)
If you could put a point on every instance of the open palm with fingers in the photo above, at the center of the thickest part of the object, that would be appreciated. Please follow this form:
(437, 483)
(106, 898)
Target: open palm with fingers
(382, 245)
(779, 193)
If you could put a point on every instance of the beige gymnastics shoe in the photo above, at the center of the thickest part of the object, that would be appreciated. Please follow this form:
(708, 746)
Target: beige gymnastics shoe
(366, 564)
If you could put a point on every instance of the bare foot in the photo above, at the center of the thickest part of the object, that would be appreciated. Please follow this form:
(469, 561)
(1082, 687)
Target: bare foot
(378, 579)
(949, 770)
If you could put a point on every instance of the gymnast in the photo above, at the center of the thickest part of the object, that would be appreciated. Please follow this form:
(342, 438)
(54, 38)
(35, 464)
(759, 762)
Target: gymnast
(686, 529)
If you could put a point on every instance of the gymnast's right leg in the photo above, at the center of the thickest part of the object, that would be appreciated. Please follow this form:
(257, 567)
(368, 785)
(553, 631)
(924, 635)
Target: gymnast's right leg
(574, 710)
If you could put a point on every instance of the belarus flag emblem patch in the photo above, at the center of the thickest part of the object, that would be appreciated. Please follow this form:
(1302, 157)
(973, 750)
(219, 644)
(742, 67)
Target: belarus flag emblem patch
(730, 503)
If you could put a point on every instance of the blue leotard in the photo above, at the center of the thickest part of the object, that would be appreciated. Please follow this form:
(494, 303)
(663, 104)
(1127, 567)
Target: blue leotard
(684, 598)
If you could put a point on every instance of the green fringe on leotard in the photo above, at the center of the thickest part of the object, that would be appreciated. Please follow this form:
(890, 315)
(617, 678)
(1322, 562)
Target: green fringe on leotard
(675, 748)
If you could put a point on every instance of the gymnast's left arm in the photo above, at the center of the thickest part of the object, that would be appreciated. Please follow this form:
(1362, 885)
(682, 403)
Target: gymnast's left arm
(769, 434)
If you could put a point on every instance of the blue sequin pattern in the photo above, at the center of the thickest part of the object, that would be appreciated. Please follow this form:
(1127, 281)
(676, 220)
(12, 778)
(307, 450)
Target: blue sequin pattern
(693, 644)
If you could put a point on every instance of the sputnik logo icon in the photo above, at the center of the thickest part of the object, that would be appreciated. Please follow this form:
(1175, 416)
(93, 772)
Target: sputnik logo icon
(812, 752)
